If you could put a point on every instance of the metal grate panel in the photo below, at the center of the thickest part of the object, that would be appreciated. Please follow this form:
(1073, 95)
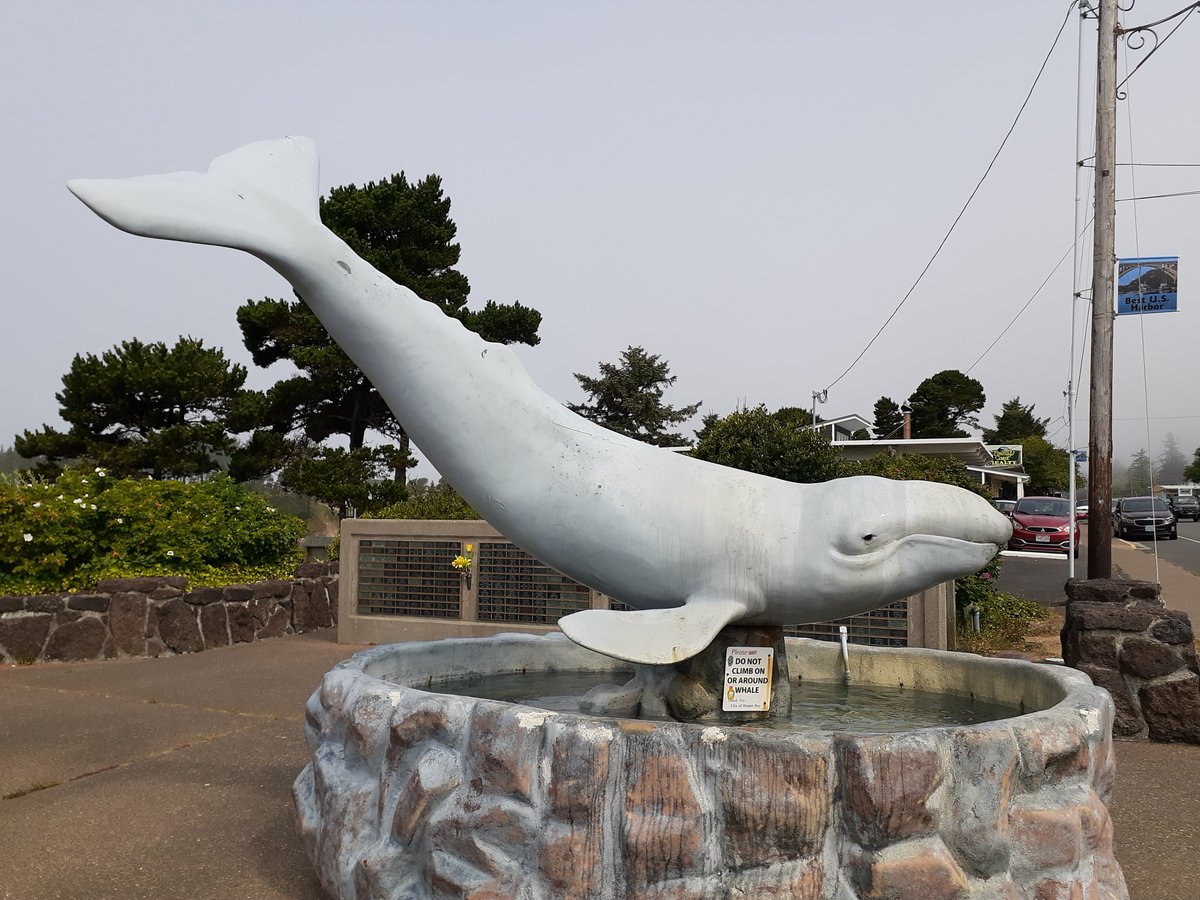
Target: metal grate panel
(409, 578)
(515, 587)
(884, 627)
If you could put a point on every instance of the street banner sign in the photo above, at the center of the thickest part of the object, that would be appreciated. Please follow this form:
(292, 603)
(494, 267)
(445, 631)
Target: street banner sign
(1147, 284)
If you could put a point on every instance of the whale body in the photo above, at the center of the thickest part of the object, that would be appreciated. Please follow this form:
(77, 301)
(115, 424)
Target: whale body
(691, 545)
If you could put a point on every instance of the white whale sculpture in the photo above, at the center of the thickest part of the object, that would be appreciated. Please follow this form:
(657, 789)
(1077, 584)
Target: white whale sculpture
(691, 545)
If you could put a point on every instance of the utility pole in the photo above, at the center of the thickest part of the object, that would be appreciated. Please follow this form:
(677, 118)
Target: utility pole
(1103, 263)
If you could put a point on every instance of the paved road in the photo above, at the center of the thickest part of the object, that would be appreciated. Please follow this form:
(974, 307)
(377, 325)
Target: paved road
(1184, 552)
(1041, 576)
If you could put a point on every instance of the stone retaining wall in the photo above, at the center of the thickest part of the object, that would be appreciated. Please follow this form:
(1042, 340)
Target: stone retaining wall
(159, 616)
(1122, 637)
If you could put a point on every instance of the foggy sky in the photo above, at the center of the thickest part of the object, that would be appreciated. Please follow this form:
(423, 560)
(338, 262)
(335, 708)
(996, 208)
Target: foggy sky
(746, 189)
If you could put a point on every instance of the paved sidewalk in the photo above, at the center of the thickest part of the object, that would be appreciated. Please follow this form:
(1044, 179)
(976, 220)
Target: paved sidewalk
(1181, 588)
(171, 778)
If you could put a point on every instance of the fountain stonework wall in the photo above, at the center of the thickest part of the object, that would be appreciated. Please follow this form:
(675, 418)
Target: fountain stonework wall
(158, 616)
(413, 793)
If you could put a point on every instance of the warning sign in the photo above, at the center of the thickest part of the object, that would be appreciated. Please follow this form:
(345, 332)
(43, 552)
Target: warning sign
(748, 679)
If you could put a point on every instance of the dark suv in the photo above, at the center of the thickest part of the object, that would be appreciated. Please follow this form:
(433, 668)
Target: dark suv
(1137, 516)
(1186, 507)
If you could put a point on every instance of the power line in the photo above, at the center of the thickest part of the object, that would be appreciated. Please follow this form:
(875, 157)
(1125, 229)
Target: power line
(1158, 196)
(1062, 259)
(962, 211)
(1153, 418)
(1083, 163)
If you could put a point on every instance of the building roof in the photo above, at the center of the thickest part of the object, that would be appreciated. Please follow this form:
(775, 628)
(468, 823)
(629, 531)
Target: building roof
(854, 419)
(969, 451)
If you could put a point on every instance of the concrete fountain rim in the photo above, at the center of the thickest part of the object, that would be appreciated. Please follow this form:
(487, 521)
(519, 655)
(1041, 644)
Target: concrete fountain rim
(1056, 690)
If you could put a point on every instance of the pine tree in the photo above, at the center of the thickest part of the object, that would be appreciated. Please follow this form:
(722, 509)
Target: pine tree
(945, 402)
(1171, 462)
(404, 230)
(1015, 422)
(627, 398)
(144, 409)
(889, 420)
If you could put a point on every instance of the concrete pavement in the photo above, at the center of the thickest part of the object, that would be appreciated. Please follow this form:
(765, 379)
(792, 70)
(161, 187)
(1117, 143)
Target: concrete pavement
(165, 778)
(171, 778)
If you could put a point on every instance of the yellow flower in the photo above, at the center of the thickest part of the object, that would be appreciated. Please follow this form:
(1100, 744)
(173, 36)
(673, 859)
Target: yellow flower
(461, 562)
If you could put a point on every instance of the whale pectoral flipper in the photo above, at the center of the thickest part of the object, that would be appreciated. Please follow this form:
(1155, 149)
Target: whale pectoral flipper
(653, 636)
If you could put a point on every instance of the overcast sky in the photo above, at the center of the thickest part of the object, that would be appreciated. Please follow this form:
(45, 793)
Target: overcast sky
(746, 189)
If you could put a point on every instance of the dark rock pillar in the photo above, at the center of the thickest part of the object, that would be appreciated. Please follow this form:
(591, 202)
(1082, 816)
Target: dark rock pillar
(1122, 637)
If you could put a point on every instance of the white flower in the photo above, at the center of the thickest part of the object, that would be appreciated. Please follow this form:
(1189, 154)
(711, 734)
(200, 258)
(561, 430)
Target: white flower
(83, 480)
(92, 506)
(120, 521)
(100, 472)
(78, 500)
(238, 508)
(36, 505)
(60, 497)
(170, 553)
(28, 537)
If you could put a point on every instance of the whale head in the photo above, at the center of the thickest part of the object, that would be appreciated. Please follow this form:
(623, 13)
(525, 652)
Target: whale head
(890, 539)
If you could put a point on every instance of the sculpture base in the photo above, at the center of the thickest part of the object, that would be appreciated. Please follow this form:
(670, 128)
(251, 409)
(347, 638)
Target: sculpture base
(694, 690)
(416, 794)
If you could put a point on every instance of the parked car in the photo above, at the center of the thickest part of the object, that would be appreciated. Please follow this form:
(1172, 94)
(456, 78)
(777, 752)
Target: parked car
(1081, 510)
(1185, 507)
(1042, 524)
(1140, 516)
(1005, 506)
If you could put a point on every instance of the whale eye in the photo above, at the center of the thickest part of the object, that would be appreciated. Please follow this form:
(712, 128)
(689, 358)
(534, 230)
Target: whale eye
(868, 538)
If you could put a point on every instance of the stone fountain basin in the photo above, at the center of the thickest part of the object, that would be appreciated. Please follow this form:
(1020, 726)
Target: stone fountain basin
(414, 793)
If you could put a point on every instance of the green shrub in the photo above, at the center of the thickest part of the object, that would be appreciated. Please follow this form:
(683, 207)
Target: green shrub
(439, 502)
(918, 467)
(85, 525)
(977, 586)
(1000, 612)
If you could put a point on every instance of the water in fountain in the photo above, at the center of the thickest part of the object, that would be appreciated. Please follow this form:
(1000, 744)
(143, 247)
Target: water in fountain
(816, 706)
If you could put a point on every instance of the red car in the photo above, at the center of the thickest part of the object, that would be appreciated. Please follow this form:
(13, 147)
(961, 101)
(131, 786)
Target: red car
(1042, 523)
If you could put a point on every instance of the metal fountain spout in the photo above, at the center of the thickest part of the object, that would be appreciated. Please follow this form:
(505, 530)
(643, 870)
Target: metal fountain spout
(845, 653)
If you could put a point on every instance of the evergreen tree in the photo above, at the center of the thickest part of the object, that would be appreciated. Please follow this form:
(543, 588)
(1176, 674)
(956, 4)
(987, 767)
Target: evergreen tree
(1014, 423)
(11, 461)
(889, 420)
(1192, 472)
(1171, 462)
(627, 398)
(404, 230)
(1140, 477)
(144, 409)
(945, 402)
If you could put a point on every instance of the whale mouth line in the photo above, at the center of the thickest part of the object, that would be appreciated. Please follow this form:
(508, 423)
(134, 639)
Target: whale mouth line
(941, 540)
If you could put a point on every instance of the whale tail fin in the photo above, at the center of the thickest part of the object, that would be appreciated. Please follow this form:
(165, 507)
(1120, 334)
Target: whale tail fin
(244, 200)
(653, 636)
